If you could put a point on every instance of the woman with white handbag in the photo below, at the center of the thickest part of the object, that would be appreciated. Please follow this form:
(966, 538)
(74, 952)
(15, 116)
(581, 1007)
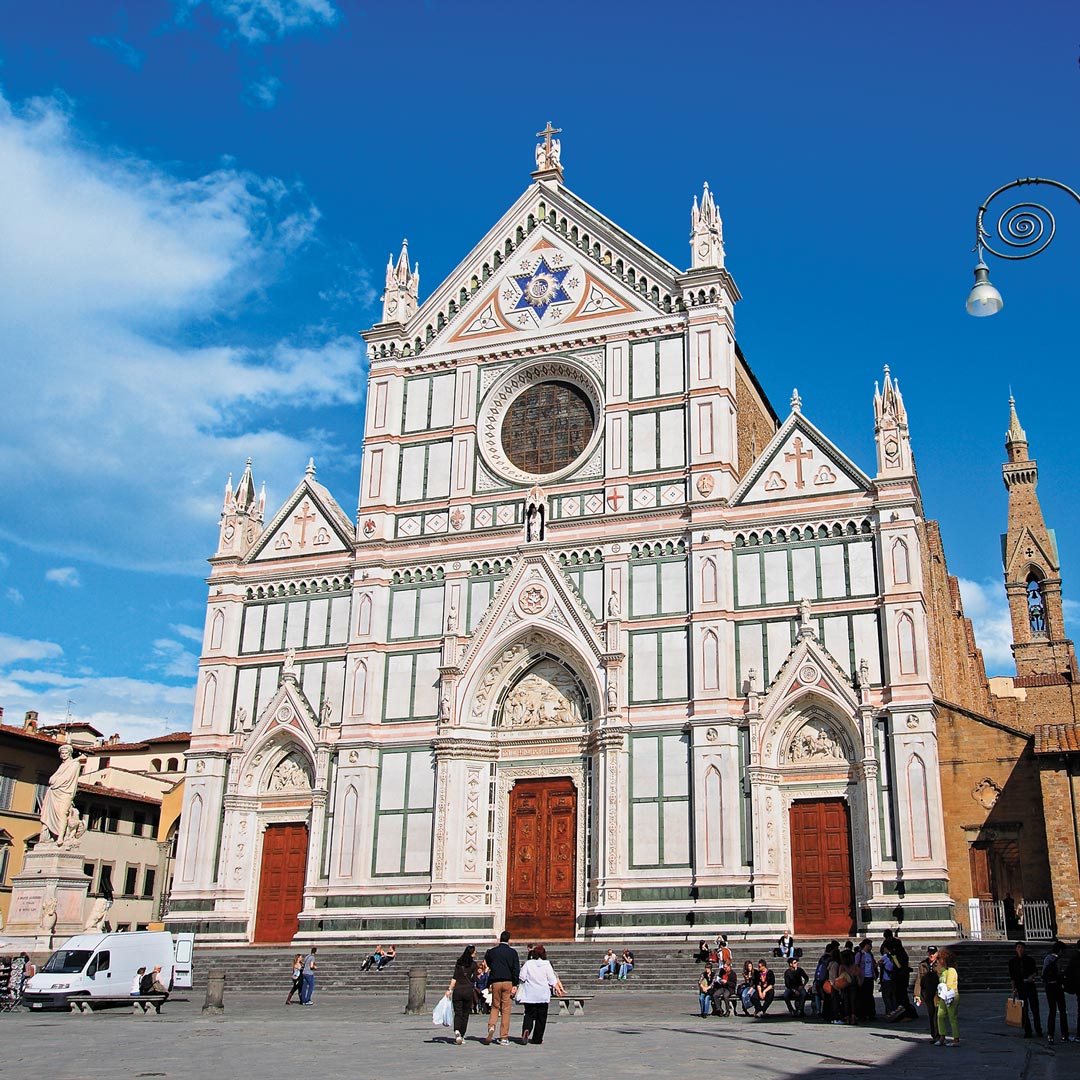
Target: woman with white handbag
(948, 999)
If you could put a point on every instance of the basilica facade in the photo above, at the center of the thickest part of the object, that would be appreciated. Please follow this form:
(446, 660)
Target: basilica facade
(610, 643)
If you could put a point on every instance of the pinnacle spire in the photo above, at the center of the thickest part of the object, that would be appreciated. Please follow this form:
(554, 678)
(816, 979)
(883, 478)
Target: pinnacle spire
(245, 489)
(400, 297)
(706, 232)
(309, 472)
(1016, 433)
(796, 400)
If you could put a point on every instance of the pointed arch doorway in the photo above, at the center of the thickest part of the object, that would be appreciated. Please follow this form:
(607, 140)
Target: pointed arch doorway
(822, 887)
(281, 882)
(541, 869)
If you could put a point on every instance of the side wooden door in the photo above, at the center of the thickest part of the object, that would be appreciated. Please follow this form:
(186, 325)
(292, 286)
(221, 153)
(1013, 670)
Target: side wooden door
(281, 882)
(541, 860)
(823, 893)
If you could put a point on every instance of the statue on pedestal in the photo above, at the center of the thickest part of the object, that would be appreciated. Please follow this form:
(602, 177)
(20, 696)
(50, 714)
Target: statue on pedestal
(56, 808)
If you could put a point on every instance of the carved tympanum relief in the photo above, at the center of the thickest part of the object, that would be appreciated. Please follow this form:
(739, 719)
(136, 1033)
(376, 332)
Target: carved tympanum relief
(816, 741)
(547, 695)
(290, 775)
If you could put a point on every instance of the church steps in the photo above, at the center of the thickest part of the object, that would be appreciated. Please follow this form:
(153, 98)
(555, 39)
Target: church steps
(661, 968)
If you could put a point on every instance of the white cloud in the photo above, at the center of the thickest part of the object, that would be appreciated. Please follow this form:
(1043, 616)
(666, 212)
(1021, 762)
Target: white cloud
(171, 658)
(192, 633)
(262, 20)
(65, 576)
(987, 608)
(122, 399)
(262, 93)
(13, 649)
(126, 53)
(13, 595)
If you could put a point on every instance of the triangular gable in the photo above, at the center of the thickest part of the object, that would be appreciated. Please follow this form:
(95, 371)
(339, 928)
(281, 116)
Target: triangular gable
(591, 287)
(800, 462)
(288, 714)
(309, 523)
(535, 593)
(809, 668)
(1019, 558)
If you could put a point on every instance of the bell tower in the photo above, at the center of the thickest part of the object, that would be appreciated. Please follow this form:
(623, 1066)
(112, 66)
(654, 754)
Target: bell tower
(1032, 568)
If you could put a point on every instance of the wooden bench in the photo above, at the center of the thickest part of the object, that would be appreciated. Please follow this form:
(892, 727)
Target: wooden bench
(573, 1004)
(141, 1004)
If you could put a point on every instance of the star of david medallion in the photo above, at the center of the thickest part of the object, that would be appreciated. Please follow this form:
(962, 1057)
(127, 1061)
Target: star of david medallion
(541, 288)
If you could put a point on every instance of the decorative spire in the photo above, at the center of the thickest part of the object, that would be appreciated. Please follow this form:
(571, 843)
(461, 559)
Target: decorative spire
(548, 155)
(309, 472)
(1016, 433)
(889, 403)
(796, 401)
(241, 515)
(891, 429)
(706, 233)
(245, 490)
(228, 503)
(400, 298)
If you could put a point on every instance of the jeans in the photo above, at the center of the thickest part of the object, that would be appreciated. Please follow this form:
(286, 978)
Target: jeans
(307, 987)
(625, 969)
(608, 969)
(703, 1002)
(1055, 1002)
(795, 1000)
(1028, 993)
(761, 1004)
(500, 1008)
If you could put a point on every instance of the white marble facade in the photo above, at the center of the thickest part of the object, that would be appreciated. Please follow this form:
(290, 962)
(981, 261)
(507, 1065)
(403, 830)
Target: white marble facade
(697, 637)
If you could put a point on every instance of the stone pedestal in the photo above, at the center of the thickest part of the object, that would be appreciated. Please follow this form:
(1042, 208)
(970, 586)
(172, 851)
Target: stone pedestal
(49, 873)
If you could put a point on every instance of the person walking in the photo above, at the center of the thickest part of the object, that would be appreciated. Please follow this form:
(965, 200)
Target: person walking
(926, 982)
(461, 991)
(297, 977)
(538, 979)
(505, 966)
(1055, 992)
(1022, 970)
(947, 994)
(307, 977)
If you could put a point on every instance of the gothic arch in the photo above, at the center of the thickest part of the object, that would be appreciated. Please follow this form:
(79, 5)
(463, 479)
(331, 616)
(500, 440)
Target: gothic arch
(286, 766)
(209, 701)
(363, 619)
(714, 817)
(710, 660)
(901, 565)
(348, 832)
(919, 807)
(905, 644)
(192, 836)
(217, 629)
(359, 690)
(815, 735)
(547, 692)
(708, 581)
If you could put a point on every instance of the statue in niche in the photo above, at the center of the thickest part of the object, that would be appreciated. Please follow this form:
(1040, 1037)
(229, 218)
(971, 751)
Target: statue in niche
(864, 673)
(289, 776)
(240, 718)
(612, 696)
(804, 613)
(452, 620)
(815, 744)
(289, 667)
(325, 711)
(613, 606)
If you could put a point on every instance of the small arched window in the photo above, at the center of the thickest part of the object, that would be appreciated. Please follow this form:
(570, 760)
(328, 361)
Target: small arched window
(174, 765)
(901, 571)
(155, 764)
(1036, 602)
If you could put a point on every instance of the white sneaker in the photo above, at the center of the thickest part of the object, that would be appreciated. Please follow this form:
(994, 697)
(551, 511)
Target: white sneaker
(457, 1037)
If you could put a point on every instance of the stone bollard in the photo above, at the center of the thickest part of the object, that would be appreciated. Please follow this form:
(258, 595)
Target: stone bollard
(215, 991)
(417, 991)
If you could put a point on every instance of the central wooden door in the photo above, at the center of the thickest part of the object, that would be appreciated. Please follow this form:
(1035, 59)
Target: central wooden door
(822, 891)
(281, 882)
(541, 860)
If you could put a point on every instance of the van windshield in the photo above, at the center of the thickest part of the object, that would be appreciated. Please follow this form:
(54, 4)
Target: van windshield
(67, 960)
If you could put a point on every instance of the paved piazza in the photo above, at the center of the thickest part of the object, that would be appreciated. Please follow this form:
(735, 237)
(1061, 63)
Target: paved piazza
(369, 1039)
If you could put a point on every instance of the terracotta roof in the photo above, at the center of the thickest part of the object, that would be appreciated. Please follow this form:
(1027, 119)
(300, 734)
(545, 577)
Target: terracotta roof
(107, 748)
(173, 736)
(1057, 738)
(1040, 680)
(115, 793)
(9, 729)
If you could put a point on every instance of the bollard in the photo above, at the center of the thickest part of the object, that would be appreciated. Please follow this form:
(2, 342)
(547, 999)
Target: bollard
(215, 991)
(417, 991)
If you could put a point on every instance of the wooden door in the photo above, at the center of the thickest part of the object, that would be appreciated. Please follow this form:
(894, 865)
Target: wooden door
(281, 882)
(541, 860)
(822, 891)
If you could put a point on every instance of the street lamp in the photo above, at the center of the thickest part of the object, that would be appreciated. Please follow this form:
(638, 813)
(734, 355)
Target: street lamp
(1027, 226)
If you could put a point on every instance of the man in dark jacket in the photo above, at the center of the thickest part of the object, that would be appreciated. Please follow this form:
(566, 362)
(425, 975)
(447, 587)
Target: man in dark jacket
(505, 967)
(1055, 992)
(926, 982)
(1022, 971)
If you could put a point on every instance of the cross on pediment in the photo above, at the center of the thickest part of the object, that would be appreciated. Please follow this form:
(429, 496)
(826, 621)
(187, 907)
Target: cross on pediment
(798, 457)
(302, 519)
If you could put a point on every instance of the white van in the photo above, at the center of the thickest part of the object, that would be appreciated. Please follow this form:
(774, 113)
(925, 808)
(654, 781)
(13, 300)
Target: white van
(99, 965)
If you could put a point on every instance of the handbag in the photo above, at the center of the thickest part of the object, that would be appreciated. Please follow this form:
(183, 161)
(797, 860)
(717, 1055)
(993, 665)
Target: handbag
(443, 1013)
(1014, 1012)
(826, 987)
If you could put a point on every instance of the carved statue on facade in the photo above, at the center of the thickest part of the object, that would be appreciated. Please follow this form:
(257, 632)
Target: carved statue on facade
(864, 673)
(612, 696)
(804, 613)
(289, 776)
(48, 913)
(613, 606)
(452, 620)
(60, 796)
(76, 830)
(289, 667)
(95, 921)
(547, 695)
(326, 711)
(815, 743)
(240, 718)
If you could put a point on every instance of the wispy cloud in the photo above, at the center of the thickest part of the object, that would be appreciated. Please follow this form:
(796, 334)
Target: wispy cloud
(257, 21)
(15, 649)
(114, 277)
(987, 608)
(192, 633)
(66, 577)
(262, 93)
(125, 52)
(13, 596)
(171, 658)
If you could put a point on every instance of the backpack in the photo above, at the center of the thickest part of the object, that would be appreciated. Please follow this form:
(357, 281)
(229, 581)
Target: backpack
(821, 972)
(725, 955)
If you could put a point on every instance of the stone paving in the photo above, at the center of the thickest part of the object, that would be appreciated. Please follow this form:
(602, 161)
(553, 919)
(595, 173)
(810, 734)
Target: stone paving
(342, 1036)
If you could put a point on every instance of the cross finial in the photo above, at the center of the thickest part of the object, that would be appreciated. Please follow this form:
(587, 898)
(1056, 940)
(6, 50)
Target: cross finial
(549, 151)
(796, 401)
(546, 135)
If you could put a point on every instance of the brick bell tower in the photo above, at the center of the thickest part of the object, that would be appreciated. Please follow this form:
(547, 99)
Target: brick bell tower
(1032, 570)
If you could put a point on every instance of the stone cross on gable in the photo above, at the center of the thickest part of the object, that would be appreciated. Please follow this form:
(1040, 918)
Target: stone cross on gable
(798, 457)
(547, 155)
(302, 520)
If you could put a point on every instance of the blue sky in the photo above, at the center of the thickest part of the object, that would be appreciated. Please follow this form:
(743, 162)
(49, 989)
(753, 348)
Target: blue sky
(197, 200)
